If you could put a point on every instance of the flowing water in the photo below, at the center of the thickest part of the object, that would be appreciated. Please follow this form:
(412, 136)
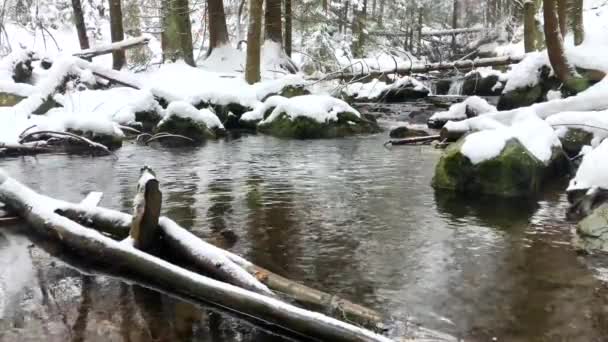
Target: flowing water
(347, 216)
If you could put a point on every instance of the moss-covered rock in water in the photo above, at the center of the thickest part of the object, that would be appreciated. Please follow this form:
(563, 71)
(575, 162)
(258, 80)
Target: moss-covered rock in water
(289, 91)
(515, 172)
(574, 140)
(404, 92)
(520, 97)
(148, 120)
(406, 132)
(9, 100)
(476, 84)
(592, 231)
(197, 131)
(108, 140)
(302, 127)
(228, 114)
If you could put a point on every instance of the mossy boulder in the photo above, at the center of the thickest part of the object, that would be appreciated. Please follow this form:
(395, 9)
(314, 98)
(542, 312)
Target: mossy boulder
(477, 84)
(592, 231)
(574, 139)
(520, 97)
(303, 127)
(110, 141)
(195, 130)
(402, 132)
(147, 120)
(289, 91)
(514, 172)
(9, 100)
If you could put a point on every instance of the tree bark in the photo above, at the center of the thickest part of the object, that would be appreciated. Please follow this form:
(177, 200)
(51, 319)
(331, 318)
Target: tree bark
(81, 28)
(288, 28)
(147, 203)
(529, 26)
(554, 41)
(358, 28)
(455, 10)
(239, 24)
(576, 21)
(177, 31)
(254, 32)
(562, 15)
(381, 13)
(119, 58)
(273, 28)
(218, 31)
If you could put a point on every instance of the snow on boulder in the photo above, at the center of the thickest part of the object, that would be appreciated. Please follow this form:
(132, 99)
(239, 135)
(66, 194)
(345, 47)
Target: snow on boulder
(403, 89)
(472, 106)
(125, 106)
(483, 82)
(593, 171)
(578, 129)
(505, 161)
(251, 118)
(364, 92)
(314, 116)
(181, 118)
(286, 86)
(524, 82)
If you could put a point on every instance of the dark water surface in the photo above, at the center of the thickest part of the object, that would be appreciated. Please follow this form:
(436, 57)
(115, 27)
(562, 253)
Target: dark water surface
(346, 216)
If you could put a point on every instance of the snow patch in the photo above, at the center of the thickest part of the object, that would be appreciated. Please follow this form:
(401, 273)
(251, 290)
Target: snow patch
(187, 111)
(458, 111)
(593, 171)
(320, 108)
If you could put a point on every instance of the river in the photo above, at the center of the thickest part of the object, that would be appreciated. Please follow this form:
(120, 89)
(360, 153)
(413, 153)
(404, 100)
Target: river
(347, 216)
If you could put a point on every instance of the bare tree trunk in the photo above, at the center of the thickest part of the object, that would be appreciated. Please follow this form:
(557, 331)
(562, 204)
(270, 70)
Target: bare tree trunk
(345, 17)
(81, 28)
(116, 32)
(455, 10)
(288, 27)
(218, 32)
(358, 28)
(554, 41)
(177, 31)
(576, 21)
(239, 25)
(324, 4)
(562, 15)
(254, 32)
(529, 26)
(419, 28)
(272, 21)
(381, 13)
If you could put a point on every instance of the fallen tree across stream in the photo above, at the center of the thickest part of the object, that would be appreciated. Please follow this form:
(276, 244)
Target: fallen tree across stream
(460, 65)
(44, 215)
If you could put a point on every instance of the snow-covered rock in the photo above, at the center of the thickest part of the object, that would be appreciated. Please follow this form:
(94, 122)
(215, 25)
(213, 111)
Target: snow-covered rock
(314, 116)
(472, 106)
(181, 118)
(505, 161)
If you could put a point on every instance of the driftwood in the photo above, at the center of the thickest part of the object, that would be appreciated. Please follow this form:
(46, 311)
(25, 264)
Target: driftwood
(109, 48)
(144, 226)
(413, 141)
(40, 213)
(461, 65)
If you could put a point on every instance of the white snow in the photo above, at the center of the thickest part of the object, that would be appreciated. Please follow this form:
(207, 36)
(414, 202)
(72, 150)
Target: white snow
(595, 122)
(187, 111)
(116, 104)
(593, 171)
(527, 72)
(368, 90)
(321, 108)
(257, 113)
(458, 111)
(532, 132)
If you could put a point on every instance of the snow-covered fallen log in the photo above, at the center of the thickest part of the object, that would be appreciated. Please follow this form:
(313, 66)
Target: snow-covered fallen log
(462, 65)
(109, 48)
(452, 32)
(205, 255)
(39, 212)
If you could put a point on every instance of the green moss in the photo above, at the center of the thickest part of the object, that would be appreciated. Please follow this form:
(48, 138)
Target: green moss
(9, 100)
(574, 140)
(306, 128)
(520, 97)
(515, 172)
(187, 127)
(148, 120)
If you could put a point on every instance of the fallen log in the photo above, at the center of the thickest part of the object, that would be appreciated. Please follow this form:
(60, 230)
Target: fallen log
(40, 214)
(461, 65)
(109, 48)
(451, 32)
(413, 141)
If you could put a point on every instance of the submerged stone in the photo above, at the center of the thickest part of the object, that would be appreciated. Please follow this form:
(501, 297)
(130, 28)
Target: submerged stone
(514, 172)
(406, 132)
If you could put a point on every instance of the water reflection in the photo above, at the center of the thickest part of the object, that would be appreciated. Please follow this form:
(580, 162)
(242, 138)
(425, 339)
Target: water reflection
(346, 216)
